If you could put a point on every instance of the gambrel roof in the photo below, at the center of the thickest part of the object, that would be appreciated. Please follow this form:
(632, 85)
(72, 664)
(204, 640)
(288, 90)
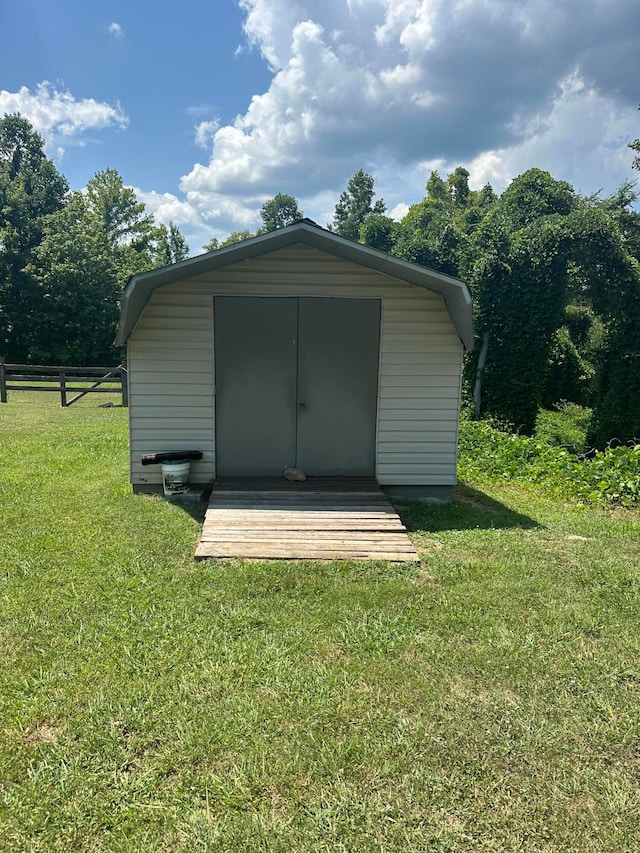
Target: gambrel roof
(455, 293)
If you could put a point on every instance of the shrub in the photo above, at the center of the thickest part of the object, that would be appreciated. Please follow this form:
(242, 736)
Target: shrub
(565, 427)
(610, 476)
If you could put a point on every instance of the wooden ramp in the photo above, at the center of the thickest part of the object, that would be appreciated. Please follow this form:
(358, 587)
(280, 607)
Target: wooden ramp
(321, 519)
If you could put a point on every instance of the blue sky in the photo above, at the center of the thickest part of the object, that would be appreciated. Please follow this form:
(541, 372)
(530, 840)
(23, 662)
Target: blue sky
(209, 109)
(166, 70)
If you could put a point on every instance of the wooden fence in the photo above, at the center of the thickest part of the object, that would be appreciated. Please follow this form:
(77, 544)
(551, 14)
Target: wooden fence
(63, 380)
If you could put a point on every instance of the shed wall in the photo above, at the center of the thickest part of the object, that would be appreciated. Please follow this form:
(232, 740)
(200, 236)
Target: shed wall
(171, 369)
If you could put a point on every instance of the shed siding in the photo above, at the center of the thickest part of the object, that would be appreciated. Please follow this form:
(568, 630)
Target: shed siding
(171, 370)
(170, 383)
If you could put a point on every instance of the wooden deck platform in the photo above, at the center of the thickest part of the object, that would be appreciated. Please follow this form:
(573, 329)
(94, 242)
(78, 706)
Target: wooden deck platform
(323, 518)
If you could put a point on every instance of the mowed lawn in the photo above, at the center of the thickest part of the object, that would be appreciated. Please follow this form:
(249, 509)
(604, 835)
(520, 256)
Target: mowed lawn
(486, 700)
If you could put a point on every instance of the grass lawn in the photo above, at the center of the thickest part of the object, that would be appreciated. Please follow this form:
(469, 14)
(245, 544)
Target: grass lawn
(487, 700)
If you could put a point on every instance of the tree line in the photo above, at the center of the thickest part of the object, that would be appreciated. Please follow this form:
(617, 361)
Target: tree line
(555, 281)
(65, 256)
(555, 275)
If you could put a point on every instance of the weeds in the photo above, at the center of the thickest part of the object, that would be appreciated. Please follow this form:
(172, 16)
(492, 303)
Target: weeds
(611, 476)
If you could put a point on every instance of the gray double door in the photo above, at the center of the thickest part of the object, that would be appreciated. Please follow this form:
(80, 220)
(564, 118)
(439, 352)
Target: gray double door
(296, 385)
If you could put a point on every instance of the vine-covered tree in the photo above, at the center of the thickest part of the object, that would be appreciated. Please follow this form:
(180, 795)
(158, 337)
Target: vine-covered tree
(573, 358)
(450, 195)
(554, 282)
(436, 231)
(614, 286)
(523, 255)
(529, 284)
(536, 194)
(519, 282)
(427, 236)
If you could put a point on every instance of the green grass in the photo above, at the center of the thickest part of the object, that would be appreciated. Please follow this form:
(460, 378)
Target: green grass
(487, 700)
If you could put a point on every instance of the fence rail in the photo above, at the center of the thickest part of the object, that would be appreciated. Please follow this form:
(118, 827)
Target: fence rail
(63, 380)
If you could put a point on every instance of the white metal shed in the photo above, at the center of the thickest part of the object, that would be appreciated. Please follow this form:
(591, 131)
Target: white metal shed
(298, 348)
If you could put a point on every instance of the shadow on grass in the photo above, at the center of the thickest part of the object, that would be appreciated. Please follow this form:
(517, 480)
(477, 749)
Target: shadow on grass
(194, 506)
(469, 510)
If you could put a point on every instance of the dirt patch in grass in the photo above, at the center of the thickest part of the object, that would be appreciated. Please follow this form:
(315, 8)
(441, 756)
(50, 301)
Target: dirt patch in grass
(42, 733)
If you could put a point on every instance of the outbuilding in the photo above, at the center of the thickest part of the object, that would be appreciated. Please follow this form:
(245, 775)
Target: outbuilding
(298, 348)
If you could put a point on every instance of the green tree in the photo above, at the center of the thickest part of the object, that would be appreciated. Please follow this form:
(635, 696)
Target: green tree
(235, 237)
(30, 189)
(170, 246)
(573, 358)
(379, 232)
(128, 229)
(436, 231)
(452, 194)
(354, 205)
(88, 250)
(437, 189)
(279, 211)
(535, 194)
(519, 282)
(520, 261)
(427, 236)
(77, 286)
(620, 206)
(458, 185)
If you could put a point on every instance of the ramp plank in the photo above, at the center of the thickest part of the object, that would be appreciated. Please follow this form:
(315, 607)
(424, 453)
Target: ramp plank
(319, 519)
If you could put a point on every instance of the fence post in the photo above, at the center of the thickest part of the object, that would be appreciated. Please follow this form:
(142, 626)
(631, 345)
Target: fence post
(3, 382)
(124, 379)
(63, 390)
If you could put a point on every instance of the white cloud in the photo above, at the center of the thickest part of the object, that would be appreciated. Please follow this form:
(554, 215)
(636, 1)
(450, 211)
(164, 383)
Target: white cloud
(201, 217)
(167, 207)
(315, 98)
(399, 87)
(58, 115)
(116, 30)
(205, 132)
(582, 138)
(399, 211)
(268, 27)
(390, 84)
